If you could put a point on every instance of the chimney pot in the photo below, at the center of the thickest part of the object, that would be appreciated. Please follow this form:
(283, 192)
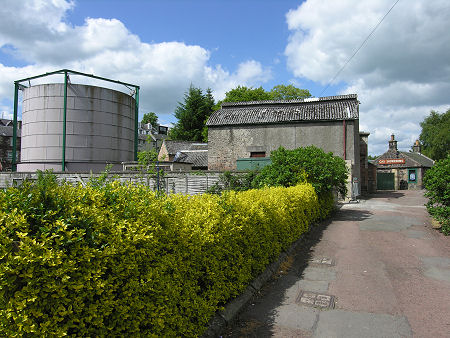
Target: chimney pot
(417, 147)
(392, 143)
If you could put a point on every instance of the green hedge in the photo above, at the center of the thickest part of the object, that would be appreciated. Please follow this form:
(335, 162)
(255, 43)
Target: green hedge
(437, 184)
(116, 260)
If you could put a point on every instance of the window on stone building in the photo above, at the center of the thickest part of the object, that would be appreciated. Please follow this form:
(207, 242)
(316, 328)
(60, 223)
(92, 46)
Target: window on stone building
(412, 175)
(258, 154)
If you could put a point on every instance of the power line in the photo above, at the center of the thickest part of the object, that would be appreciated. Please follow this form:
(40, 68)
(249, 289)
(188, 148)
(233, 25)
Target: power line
(357, 50)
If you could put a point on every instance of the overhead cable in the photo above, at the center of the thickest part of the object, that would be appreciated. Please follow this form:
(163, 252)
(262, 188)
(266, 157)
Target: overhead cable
(357, 50)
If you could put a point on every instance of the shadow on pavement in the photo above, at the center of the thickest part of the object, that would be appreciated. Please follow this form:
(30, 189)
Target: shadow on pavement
(352, 215)
(257, 319)
(385, 194)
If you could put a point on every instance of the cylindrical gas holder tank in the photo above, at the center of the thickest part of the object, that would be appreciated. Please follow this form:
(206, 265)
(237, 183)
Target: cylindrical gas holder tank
(99, 127)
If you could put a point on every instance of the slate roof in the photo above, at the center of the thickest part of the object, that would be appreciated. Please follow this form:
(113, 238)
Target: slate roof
(198, 158)
(8, 131)
(6, 122)
(412, 160)
(342, 107)
(175, 146)
(419, 158)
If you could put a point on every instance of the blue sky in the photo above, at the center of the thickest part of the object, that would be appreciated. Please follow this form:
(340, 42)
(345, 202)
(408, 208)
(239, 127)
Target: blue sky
(232, 30)
(400, 74)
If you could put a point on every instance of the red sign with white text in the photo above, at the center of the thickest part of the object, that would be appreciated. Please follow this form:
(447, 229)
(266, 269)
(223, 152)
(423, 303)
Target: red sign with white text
(392, 161)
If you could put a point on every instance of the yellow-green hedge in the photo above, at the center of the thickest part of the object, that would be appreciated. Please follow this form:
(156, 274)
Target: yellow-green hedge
(120, 261)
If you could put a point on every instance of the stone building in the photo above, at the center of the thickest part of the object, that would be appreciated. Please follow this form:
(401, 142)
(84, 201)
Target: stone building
(398, 170)
(368, 169)
(242, 130)
(6, 143)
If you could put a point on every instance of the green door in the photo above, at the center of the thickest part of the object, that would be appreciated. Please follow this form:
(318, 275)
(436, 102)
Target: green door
(385, 181)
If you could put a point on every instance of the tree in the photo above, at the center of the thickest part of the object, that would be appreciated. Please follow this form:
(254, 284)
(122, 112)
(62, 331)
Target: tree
(209, 103)
(279, 92)
(192, 115)
(242, 94)
(435, 135)
(151, 118)
(289, 167)
(289, 92)
(437, 184)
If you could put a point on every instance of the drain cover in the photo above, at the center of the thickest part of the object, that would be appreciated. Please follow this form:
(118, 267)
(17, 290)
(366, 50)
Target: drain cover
(323, 261)
(318, 300)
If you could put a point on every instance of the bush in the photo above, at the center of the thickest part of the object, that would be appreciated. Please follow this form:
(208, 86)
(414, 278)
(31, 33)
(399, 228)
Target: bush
(117, 260)
(236, 182)
(311, 164)
(437, 184)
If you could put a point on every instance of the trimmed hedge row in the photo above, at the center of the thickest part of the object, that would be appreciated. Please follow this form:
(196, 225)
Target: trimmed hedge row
(118, 260)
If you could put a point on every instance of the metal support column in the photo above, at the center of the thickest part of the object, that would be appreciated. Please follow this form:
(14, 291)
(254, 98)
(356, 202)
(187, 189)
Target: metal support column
(14, 145)
(63, 160)
(136, 117)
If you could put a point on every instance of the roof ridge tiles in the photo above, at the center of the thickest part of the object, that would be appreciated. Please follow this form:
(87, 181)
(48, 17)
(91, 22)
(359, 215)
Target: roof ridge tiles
(305, 100)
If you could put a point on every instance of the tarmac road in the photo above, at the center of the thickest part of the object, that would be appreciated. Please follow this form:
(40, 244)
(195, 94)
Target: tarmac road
(377, 269)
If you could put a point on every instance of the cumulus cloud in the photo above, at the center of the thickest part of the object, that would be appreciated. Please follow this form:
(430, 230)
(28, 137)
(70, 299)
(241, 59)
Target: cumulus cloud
(400, 74)
(38, 33)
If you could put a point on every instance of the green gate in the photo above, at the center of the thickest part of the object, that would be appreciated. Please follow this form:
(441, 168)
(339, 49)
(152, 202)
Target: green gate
(385, 181)
(252, 163)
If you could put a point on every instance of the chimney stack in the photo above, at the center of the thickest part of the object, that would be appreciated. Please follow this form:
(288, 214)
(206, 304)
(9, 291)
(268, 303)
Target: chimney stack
(393, 143)
(416, 147)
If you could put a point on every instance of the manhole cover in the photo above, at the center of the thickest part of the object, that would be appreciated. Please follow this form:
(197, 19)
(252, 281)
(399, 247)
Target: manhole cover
(318, 300)
(322, 261)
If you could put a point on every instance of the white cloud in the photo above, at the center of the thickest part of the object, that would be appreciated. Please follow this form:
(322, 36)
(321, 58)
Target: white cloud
(38, 33)
(401, 73)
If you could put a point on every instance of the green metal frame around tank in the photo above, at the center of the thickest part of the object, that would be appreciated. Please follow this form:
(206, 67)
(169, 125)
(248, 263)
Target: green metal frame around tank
(66, 72)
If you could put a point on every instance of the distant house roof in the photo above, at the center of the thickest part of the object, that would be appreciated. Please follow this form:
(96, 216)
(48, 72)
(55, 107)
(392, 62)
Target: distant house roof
(188, 152)
(175, 146)
(146, 136)
(8, 131)
(419, 158)
(6, 128)
(412, 159)
(6, 122)
(198, 158)
(342, 107)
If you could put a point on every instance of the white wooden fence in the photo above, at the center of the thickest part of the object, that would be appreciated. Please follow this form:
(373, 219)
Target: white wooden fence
(189, 183)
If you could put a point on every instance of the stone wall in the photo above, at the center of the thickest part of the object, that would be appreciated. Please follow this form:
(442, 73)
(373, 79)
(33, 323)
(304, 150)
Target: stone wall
(401, 178)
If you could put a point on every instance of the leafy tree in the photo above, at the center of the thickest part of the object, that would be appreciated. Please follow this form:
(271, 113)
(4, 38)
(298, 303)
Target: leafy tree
(147, 157)
(279, 92)
(435, 135)
(209, 100)
(242, 94)
(289, 167)
(151, 118)
(209, 103)
(192, 115)
(289, 92)
(437, 184)
(372, 157)
(233, 181)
